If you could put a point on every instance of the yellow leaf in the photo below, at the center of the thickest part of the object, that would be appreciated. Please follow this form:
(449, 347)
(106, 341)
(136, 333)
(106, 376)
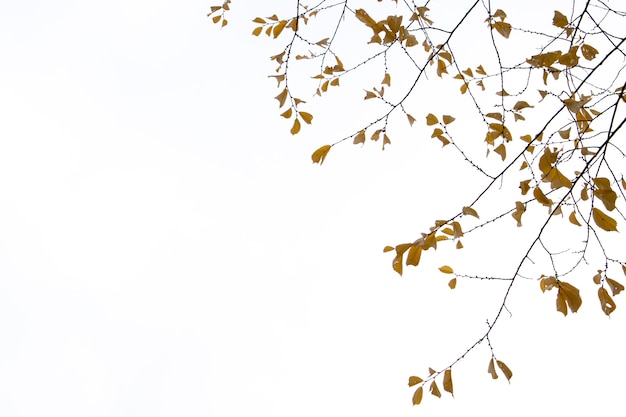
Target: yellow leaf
(588, 51)
(369, 94)
(505, 370)
(441, 67)
(459, 245)
(387, 80)
(287, 114)
(517, 214)
(414, 380)
(320, 154)
(468, 211)
(503, 28)
(447, 381)
(501, 150)
(282, 97)
(524, 186)
(559, 19)
(606, 302)
(388, 248)
(492, 369)
(597, 278)
(572, 296)
(448, 119)
(417, 397)
(434, 389)
(573, 219)
(257, 31)
(335, 82)
(414, 255)
(481, 70)
(541, 198)
(500, 14)
(521, 105)
(615, 286)
(547, 283)
(359, 138)
(561, 304)
(307, 117)
(603, 220)
(216, 18)
(452, 285)
(446, 269)
(605, 193)
(279, 28)
(296, 126)
(431, 371)
(431, 119)
(565, 133)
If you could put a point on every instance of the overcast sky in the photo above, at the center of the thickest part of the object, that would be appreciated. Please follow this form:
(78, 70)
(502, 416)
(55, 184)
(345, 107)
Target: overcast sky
(168, 249)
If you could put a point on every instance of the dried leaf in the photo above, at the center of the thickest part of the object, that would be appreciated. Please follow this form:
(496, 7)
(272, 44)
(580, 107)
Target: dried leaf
(559, 20)
(431, 119)
(447, 381)
(615, 286)
(320, 154)
(448, 119)
(387, 80)
(573, 219)
(452, 285)
(417, 397)
(505, 370)
(446, 269)
(603, 220)
(307, 117)
(434, 389)
(296, 126)
(468, 211)
(606, 302)
(414, 380)
(492, 369)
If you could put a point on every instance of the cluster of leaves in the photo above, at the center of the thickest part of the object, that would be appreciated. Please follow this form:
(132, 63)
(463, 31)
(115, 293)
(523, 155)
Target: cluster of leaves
(557, 134)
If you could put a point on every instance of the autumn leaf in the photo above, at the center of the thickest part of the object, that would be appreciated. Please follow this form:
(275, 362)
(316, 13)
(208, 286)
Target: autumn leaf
(505, 370)
(307, 117)
(414, 380)
(447, 381)
(615, 286)
(559, 20)
(320, 154)
(446, 269)
(603, 220)
(452, 285)
(431, 119)
(434, 389)
(468, 211)
(492, 369)
(606, 302)
(296, 126)
(417, 397)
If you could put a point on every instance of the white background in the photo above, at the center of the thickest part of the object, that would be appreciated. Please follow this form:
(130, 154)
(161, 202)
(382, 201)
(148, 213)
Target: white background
(168, 249)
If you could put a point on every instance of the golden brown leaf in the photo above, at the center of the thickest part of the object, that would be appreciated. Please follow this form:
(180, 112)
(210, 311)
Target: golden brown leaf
(414, 255)
(431, 119)
(446, 269)
(517, 214)
(447, 381)
(573, 219)
(603, 220)
(296, 126)
(307, 117)
(559, 20)
(542, 199)
(505, 370)
(492, 369)
(448, 119)
(468, 211)
(411, 119)
(589, 52)
(282, 97)
(417, 397)
(572, 296)
(434, 389)
(387, 80)
(414, 380)
(606, 302)
(501, 150)
(452, 285)
(359, 138)
(320, 154)
(615, 286)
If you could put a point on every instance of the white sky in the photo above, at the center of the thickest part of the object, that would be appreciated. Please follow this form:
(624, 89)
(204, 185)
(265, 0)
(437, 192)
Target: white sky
(168, 249)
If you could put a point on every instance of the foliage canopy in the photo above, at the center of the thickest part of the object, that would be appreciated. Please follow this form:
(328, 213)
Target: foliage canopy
(545, 88)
